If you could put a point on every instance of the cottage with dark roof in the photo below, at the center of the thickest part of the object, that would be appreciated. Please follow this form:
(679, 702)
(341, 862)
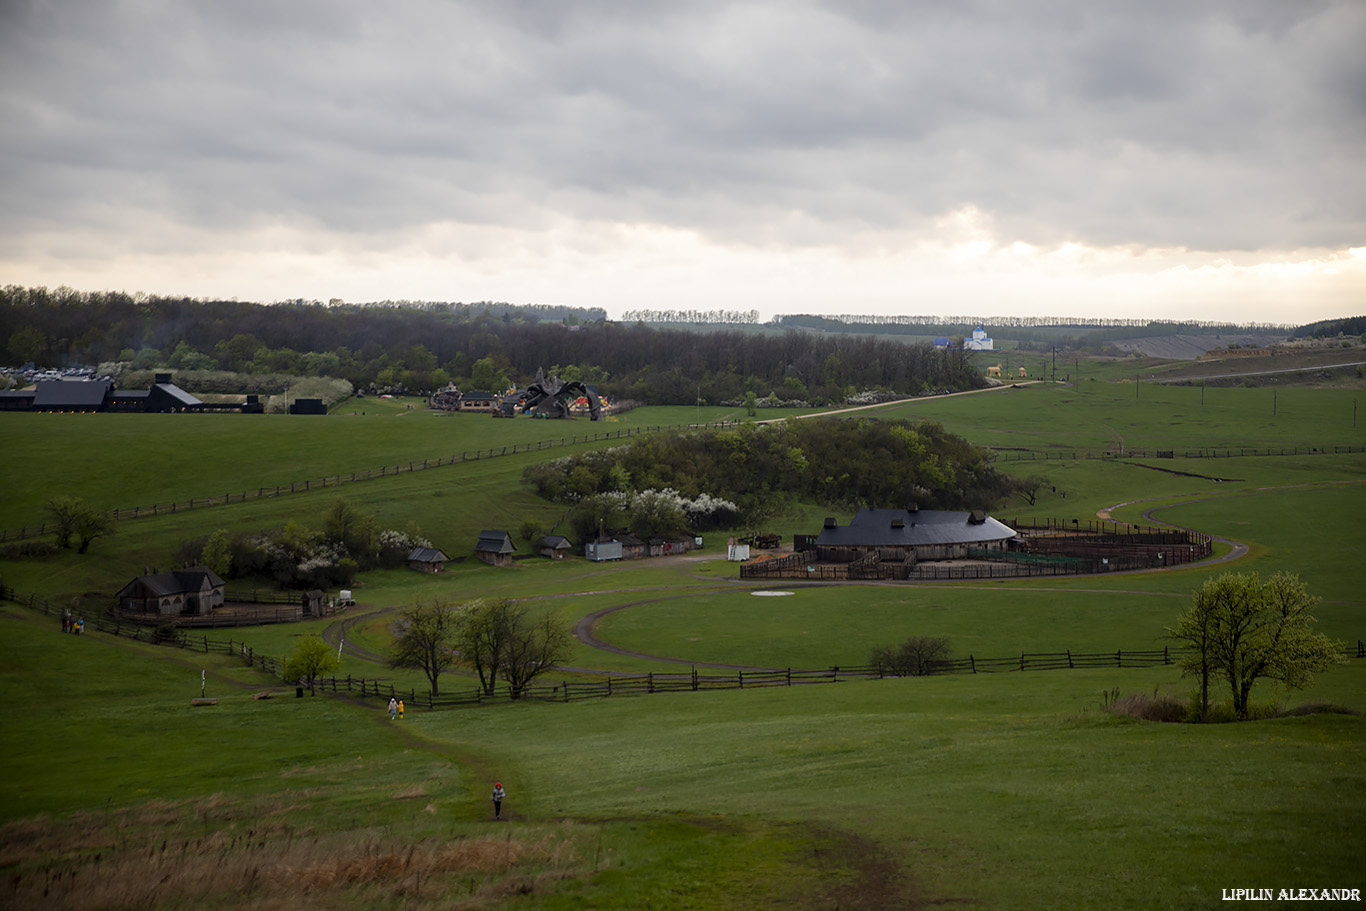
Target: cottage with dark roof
(183, 591)
(427, 560)
(556, 547)
(495, 548)
(923, 534)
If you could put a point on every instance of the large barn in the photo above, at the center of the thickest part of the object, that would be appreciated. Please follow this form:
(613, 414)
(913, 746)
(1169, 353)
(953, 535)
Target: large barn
(924, 534)
(183, 591)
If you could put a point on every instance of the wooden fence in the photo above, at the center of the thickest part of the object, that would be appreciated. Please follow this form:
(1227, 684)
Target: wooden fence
(623, 685)
(1009, 455)
(161, 509)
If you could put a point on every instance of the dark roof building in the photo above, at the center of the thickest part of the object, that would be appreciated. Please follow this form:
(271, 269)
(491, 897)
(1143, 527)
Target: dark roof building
(925, 533)
(427, 559)
(63, 395)
(193, 591)
(495, 548)
(554, 546)
(99, 395)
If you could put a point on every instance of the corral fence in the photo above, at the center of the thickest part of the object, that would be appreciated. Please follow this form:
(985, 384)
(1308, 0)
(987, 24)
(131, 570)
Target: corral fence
(1047, 547)
(1204, 452)
(384, 471)
(624, 685)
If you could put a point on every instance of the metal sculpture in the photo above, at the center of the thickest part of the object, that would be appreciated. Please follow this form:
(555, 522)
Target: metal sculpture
(551, 397)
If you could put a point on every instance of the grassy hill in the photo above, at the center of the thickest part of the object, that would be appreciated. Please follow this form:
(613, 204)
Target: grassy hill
(1009, 790)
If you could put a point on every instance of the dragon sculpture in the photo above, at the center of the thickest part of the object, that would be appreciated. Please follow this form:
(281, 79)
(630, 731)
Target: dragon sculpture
(551, 397)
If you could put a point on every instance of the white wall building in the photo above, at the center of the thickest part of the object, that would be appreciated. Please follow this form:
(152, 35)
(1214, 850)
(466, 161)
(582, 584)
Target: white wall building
(980, 341)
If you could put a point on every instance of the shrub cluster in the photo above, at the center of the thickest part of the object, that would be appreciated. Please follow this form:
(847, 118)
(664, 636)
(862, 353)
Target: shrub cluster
(841, 463)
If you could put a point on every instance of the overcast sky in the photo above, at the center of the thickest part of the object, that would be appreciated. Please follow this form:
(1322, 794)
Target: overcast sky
(1157, 159)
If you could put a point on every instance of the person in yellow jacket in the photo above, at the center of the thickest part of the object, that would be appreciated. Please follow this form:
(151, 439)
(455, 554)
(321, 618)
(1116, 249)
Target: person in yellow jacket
(400, 710)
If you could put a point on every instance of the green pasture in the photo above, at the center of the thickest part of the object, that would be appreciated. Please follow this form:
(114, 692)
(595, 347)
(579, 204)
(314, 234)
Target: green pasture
(995, 791)
(1118, 417)
(128, 460)
(1006, 790)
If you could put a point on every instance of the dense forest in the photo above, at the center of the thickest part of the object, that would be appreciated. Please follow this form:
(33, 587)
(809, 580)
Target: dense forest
(420, 347)
(712, 478)
(1332, 328)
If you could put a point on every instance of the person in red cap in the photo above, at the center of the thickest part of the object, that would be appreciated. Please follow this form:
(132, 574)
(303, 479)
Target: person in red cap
(498, 795)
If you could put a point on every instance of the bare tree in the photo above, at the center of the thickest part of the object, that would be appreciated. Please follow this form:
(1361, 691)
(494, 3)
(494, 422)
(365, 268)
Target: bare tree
(913, 658)
(535, 647)
(499, 638)
(1029, 487)
(64, 511)
(427, 640)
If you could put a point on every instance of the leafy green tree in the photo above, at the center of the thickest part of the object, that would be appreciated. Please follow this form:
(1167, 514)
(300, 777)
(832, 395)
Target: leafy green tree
(656, 512)
(91, 524)
(531, 531)
(217, 553)
(1245, 629)
(312, 658)
(487, 375)
(354, 530)
(427, 640)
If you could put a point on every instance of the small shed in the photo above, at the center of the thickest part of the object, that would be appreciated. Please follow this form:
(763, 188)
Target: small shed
(314, 602)
(556, 547)
(184, 591)
(495, 548)
(670, 546)
(427, 560)
(632, 548)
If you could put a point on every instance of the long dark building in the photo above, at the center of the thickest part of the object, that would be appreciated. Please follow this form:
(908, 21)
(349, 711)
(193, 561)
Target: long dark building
(99, 395)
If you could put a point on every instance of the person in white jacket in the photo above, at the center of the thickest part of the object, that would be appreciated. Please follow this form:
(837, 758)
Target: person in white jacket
(498, 795)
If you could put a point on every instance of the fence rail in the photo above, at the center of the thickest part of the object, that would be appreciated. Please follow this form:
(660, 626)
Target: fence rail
(1228, 452)
(280, 490)
(568, 691)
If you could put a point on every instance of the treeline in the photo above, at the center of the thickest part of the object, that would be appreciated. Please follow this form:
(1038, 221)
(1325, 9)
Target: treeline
(701, 317)
(1332, 328)
(419, 348)
(754, 469)
(925, 325)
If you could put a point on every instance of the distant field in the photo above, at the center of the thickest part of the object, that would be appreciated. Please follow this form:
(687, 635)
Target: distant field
(1008, 790)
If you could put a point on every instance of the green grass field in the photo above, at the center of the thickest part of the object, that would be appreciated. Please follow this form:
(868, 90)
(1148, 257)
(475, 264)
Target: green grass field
(1006, 790)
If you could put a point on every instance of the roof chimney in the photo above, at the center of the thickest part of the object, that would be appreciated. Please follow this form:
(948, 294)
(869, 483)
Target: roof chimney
(829, 521)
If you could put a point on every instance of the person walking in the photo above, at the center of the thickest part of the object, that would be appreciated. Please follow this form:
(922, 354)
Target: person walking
(498, 795)
(400, 710)
(393, 708)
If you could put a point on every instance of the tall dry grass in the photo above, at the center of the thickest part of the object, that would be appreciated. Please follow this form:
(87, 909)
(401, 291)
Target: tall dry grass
(212, 854)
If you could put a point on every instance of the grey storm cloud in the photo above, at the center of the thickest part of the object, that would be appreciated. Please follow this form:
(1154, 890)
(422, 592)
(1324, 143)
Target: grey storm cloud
(1234, 125)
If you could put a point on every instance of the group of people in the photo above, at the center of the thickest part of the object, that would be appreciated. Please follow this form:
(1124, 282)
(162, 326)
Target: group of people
(72, 625)
(396, 712)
